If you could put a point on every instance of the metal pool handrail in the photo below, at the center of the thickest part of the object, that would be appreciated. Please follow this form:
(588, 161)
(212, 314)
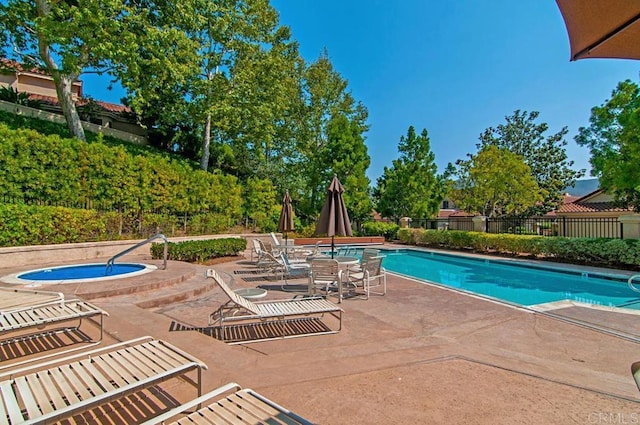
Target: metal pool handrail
(630, 282)
(111, 260)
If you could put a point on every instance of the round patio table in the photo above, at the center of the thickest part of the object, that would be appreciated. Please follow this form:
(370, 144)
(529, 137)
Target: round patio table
(251, 293)
(341, 259)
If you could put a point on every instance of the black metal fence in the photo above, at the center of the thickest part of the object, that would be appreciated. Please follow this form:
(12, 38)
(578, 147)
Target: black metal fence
(598, 227)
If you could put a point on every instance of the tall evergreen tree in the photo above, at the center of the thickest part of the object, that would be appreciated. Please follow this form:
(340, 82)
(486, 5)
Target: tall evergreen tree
(346, 155)
(411, 187)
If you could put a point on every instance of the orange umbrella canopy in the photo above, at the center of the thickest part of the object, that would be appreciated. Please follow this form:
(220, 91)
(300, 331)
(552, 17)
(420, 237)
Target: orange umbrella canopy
(285, 223)
(602, 28)
(334, 218)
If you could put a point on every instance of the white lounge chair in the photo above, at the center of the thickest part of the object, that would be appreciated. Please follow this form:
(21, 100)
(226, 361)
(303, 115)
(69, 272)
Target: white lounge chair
(58, 389)
(18, 318)
(16, 299)
(285, 316)
(232, 405)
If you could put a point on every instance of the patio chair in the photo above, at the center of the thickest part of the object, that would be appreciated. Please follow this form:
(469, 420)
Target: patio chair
(52, 391)
(276, 242)
(366, 254)
(325, 275)
(293, 270)
(256, 250)
(266, 320)
(232, 404)
(272, 263)
(635, 371)
(372, 275)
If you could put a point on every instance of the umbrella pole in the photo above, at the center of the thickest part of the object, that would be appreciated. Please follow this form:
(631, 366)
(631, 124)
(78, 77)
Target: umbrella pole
(333, 245)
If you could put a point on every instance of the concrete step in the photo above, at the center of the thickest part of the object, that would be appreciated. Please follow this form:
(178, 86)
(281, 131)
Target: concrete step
(194, 287)
(155, 282)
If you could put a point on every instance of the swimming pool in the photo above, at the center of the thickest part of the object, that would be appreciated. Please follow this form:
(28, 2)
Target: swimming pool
(78, 273)
(522, 284)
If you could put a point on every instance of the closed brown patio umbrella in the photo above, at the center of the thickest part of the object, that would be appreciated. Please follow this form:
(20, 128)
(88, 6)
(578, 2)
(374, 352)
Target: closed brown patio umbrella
(334, 218)
(285, 223)
(602, 28)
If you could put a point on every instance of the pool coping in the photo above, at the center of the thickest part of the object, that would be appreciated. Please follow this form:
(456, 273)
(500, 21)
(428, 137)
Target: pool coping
(14, 278)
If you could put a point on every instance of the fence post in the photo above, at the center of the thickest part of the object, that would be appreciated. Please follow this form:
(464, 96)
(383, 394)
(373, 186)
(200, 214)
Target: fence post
(630, 226)
(480, 223)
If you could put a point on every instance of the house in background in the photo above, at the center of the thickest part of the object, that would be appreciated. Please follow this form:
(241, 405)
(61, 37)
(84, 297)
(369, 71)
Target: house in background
(40, 86)
(597, 214)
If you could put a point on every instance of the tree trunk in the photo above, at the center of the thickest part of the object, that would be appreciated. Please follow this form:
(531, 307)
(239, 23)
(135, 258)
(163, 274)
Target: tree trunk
(63, 88)
(62, 81)
(206, 142)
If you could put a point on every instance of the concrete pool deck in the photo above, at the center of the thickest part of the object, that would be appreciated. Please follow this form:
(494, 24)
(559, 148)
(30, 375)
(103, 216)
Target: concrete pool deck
(420, 354)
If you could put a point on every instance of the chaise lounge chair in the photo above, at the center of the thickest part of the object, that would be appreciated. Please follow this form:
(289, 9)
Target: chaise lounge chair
(241, 406)
(266, 320)
(18, 318)
(58, 389)
(16, 299)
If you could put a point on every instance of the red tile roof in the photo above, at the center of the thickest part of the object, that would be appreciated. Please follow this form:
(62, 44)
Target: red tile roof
(590, 207)
(113, 107)
(16, 66)
(446, 213)
(109, 107)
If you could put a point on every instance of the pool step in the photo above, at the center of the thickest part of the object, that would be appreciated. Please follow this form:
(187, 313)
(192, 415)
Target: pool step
(187, 290)
(169, 292)
(150, 284)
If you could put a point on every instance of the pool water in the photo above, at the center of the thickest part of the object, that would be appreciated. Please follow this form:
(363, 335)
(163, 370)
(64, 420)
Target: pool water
(77, 273)
(81, 271)
(519, 284)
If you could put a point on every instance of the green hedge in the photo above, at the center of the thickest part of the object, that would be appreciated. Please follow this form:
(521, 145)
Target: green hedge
(35, 225)
(124, 182)
(200, 251)
(70, 172)
(22, 224)
(602, 252)
(379, 228)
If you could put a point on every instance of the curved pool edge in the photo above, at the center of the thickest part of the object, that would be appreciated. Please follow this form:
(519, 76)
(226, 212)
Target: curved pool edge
(13, 278)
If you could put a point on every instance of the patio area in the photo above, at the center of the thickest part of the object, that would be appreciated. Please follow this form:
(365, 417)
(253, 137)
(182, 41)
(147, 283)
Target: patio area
(420, 354)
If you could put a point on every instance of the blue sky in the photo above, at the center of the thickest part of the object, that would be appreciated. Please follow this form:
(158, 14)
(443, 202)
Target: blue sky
(452, 67)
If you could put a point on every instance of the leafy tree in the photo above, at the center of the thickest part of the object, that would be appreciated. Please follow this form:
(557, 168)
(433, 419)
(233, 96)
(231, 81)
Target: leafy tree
(613, 136)
(411, 186)
(495, 182)
(63, 38)
(260, 203)
(266, 100)
(232, 75)
(325, 97)
(545, 155)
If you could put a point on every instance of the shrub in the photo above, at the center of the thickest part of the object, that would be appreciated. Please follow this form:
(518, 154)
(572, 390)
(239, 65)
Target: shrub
(603, 252)
(379, 228)
(40, 225)
(200, 251)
